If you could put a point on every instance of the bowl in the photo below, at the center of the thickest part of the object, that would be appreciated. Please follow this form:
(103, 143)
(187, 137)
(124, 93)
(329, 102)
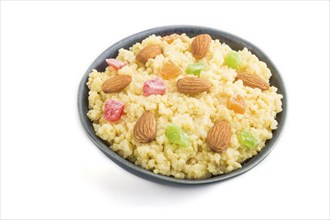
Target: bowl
(235, 43)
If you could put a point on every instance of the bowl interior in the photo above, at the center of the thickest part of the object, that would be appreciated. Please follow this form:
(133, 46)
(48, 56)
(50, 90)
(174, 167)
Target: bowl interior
(235, 43)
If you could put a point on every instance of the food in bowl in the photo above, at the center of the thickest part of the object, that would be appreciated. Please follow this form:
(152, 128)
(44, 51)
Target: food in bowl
(185, 107)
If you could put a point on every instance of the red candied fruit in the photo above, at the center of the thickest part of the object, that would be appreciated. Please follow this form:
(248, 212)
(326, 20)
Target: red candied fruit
(113, 110)
(154, 86)
(117, 64)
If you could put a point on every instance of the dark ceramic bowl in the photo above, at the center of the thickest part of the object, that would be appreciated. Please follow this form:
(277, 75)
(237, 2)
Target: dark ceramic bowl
(235, 43)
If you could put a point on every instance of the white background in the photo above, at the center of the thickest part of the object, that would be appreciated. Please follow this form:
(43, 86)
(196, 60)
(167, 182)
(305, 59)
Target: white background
(49, 167)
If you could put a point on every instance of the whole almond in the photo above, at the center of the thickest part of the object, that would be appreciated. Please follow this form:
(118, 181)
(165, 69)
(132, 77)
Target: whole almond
(145, 128)
(116, 83)
(201, 45)
(192, 85)
(252, 80)
(219, 136)
(170, 70)
(148, 52)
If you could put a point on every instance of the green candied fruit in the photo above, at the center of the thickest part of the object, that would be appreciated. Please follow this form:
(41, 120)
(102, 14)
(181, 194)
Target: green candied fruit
(195, 68)
(233, 59)
(175, 135)
(247, 139)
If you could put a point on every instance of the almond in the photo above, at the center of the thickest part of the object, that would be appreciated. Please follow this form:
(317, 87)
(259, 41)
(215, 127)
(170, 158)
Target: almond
(192, 85)
(219, 136)
(169, 70)
(116, 83)
(252, 80)
(148, 52)
(145, 128)
(201, 45)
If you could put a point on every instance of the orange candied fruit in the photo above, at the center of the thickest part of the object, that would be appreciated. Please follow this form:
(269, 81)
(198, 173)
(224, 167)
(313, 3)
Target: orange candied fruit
(237, 104)
(170, 70)
(170, 38)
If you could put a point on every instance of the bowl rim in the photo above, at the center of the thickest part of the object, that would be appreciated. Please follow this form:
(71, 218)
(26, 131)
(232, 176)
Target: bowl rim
(169, 180)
